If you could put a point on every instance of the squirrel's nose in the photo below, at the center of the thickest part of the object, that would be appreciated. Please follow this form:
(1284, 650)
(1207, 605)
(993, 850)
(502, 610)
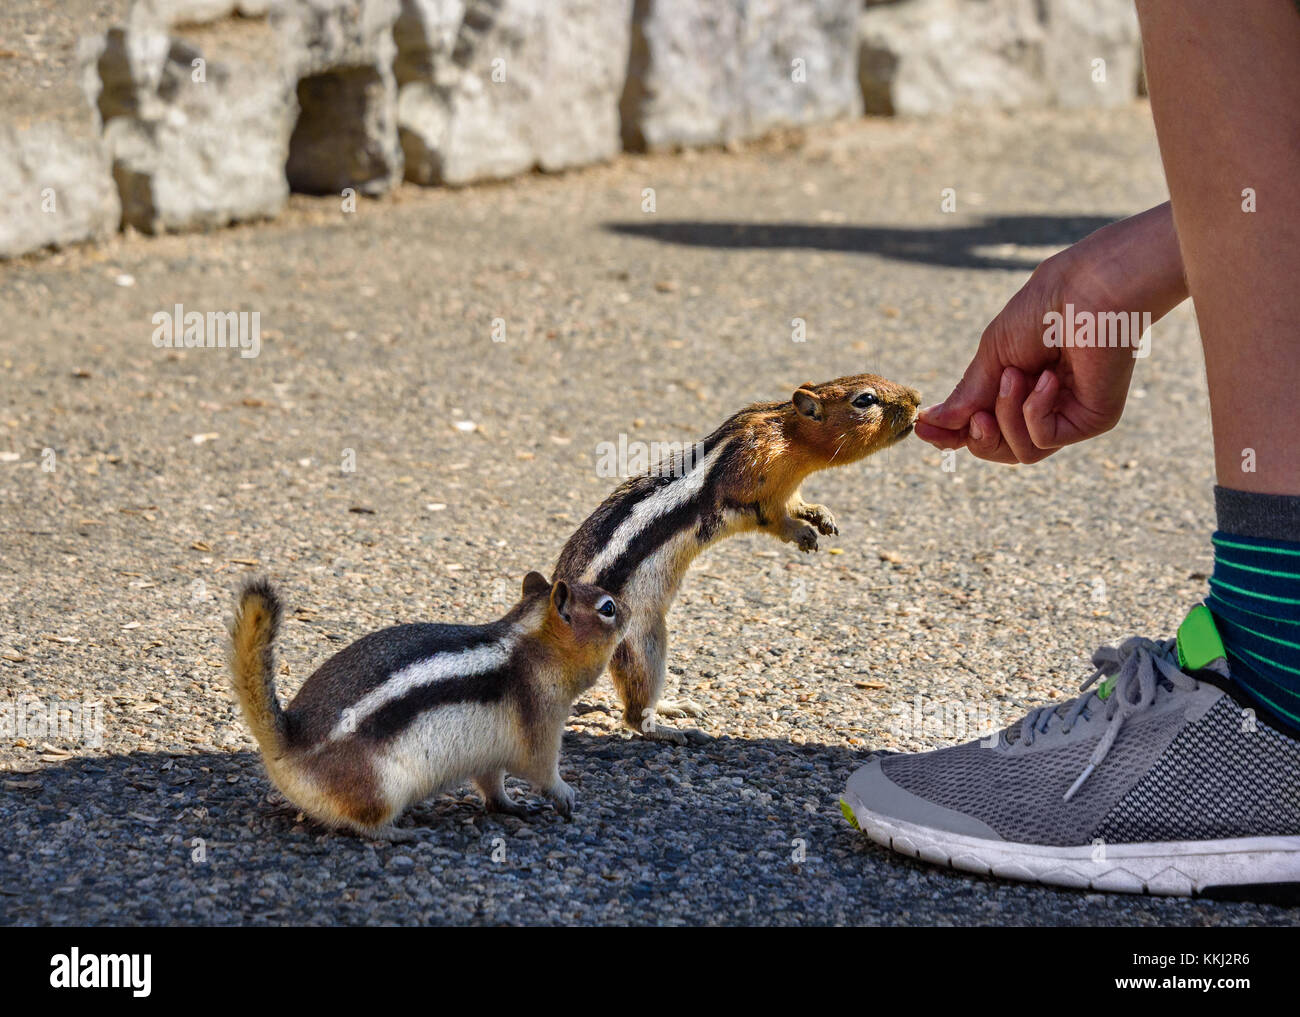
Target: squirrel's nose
(914, 396)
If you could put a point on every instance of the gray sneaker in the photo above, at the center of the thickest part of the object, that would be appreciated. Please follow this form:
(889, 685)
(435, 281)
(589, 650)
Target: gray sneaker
(1155, 780)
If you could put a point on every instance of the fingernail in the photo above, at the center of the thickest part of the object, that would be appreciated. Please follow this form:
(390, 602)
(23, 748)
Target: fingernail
(976, 432)
(1043, 379)
(1004, 389)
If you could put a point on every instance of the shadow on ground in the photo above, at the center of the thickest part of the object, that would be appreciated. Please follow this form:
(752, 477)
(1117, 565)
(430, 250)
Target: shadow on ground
(736, 831)
(953, 247)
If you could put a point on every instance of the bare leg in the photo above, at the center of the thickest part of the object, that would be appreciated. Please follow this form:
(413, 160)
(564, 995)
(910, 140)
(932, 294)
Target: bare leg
(1225, 93)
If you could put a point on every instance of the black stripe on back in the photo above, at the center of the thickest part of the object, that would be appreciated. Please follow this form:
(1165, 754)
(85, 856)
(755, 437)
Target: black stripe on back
(614, 576)
(701, 511)
(599, 528)
(394, 717)
(369, 662)
(601, 525)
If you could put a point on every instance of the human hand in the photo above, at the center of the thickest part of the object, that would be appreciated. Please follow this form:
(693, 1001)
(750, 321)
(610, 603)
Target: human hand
(1020, 399)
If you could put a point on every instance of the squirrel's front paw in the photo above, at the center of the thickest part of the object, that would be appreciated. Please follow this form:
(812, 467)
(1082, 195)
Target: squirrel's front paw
(563, 797)
(806, 537)
(821, 517)
(793, 531)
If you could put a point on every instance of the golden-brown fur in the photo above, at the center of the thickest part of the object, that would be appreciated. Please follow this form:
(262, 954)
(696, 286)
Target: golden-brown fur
(641, 540)
(252, 662)
(415, 709)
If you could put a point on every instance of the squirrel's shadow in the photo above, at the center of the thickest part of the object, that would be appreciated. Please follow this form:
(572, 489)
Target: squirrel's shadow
(764, 799)
(728, 788)
(212, 790)
(132, 813)
(95, 828)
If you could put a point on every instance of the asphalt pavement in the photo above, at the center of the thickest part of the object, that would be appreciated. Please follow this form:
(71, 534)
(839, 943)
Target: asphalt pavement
(420, 428)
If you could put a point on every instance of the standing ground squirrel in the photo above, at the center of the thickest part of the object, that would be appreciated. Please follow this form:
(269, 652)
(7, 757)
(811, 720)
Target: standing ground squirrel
(745, 476)
(414, 709)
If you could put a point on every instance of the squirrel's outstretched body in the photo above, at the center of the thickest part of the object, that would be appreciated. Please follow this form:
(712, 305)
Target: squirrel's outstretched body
(745, 476)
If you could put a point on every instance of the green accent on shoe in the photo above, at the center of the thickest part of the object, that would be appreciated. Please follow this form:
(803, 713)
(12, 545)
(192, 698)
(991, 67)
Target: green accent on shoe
(1198, 640)
(1107, 687)
(848, 814)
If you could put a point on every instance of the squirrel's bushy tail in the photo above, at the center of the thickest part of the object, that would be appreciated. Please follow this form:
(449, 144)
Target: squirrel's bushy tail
(252, 663)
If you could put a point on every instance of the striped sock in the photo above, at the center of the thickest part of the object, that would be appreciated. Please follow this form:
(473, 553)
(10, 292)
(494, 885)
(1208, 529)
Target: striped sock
(1255, 597)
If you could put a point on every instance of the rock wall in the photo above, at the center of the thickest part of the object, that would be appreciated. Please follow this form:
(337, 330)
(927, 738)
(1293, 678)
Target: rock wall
(59, 185)
(54, 169)
(924, 57)
(192, 114)
(194, 142)
(342, 52)
(492, 88)
(711, 71)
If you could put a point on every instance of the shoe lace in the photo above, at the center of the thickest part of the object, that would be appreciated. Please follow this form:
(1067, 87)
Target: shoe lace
(1133, 673)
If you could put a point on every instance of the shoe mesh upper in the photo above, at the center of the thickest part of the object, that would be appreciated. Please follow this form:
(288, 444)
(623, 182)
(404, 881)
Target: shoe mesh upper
(1022, 795)
(1218, 779)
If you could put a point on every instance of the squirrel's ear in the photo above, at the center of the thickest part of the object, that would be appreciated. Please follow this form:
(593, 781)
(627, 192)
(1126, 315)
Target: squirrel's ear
(807, 404)
(560, 599)
(535, 583)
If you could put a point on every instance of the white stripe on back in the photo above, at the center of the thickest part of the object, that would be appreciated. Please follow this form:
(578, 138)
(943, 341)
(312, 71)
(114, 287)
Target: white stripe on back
(646, 511)
(438, 668)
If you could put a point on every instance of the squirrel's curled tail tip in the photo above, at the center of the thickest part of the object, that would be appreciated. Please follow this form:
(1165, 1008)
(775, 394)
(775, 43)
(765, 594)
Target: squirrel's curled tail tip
(257, 592)
(252, 661)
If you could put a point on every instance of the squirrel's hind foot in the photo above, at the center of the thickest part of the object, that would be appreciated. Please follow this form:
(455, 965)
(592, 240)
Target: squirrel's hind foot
(675, 709)
(492, 786)
(510, 807)
(562, 798)
(683, 736)
(390, 833)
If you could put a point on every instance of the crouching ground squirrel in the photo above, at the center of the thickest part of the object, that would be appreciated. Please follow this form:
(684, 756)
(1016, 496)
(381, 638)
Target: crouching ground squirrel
(414, 709)
(744, 476)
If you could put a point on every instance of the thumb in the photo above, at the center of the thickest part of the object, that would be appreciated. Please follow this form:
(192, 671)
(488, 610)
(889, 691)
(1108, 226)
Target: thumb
(977, 390)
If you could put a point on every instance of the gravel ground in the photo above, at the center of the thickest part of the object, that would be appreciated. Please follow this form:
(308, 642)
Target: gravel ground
(951, 599)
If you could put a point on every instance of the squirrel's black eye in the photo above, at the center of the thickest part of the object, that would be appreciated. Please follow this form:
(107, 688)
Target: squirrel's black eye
(606, 607)
(865, 400)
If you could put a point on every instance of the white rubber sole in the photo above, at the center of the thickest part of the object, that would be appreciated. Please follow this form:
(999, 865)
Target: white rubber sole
(1170, 868)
